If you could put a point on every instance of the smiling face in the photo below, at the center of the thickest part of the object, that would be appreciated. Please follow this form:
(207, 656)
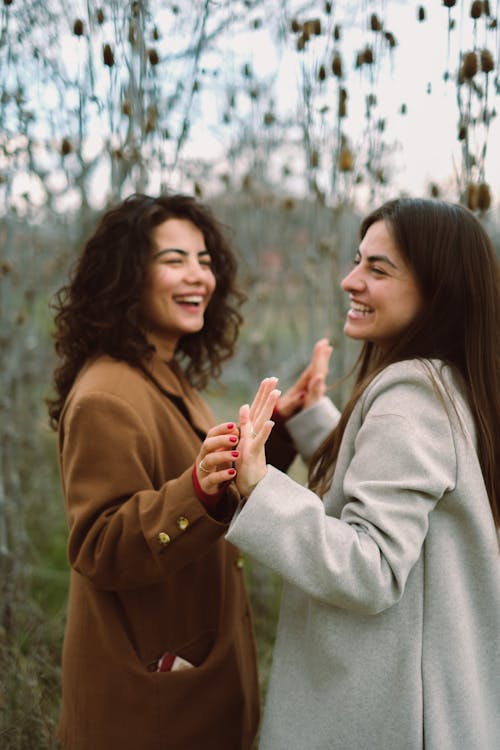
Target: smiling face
(383, 292)
(181, 283)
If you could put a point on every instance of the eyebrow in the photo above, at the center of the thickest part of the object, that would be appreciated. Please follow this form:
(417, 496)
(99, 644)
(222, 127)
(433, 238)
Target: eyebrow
(184, 253)
(379, 259)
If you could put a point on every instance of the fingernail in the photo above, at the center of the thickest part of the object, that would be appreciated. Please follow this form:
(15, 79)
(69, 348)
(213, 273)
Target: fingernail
(233, 439)
(235, 454)
(231, 472)
(230, 425)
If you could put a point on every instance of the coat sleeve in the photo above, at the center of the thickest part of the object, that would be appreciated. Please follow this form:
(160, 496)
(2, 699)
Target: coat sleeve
(403, 461)
(124, 532)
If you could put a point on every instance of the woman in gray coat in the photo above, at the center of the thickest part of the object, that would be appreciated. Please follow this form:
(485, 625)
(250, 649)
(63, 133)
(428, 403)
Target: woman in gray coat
(390, 617)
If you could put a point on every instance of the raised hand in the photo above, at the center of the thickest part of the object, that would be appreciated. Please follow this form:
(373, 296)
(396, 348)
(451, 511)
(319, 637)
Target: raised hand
(255, 428)
(311, 384)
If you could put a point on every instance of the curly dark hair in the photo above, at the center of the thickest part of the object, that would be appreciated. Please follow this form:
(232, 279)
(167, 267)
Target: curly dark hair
(98, 311)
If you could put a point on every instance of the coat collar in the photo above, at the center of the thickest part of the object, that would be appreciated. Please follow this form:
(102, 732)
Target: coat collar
(171, 379)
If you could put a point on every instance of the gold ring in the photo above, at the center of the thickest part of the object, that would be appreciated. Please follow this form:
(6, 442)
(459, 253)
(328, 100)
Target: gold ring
(202, 468)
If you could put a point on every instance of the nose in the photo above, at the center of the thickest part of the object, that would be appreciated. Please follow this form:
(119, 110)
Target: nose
(353, 281)
(194, 271)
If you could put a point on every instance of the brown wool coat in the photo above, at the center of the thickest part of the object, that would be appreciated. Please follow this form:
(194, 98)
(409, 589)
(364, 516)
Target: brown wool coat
(150, 572)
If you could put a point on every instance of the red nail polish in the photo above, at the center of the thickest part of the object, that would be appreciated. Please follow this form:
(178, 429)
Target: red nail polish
(235, 454)
(233, 439)
(231, 472)
(230, 425)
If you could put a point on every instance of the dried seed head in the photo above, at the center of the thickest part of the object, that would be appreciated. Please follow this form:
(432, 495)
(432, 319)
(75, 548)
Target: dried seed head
(153, 57)
(337, 65)
(328, 8)
(434, 190)
(359, 59)
(346, 161)
(99, 14)
(301, 43)
(295, 26)
(8, 2)
(368, 55)
(487, 62)
(322, 73)
(449, 3)
(108, 56)
(126, 108)
(198, 190)
(66, 147)
(312, 27)
(5, 267)
(269, 119)
(483, 197)
(288, 204)
(421, 13)
(390, 39)
(156, 33)
(476, 9)
(135, 8)
(469, 65)
(375, 22)
(336, 32)
(486, 8)
(471, 196)
(342, 110)
(403, 109)
(462, 131)
(314, 159)
(78, 27)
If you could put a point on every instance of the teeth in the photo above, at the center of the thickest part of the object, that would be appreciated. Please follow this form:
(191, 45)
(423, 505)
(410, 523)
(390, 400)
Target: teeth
(360, 308)
(194, 299)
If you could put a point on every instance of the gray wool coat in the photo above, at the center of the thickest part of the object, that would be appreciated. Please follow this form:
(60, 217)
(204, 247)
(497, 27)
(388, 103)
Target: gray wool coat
(388, 636)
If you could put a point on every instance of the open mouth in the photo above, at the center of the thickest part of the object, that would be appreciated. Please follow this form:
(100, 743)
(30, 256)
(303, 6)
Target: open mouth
(358, 310)
(191, 300)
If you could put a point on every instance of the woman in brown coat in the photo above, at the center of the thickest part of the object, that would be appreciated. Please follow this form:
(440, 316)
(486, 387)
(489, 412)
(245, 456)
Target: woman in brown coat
(159, 649)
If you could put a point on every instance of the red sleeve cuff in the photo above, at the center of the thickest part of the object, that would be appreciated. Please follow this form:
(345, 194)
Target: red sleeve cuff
(209, 501)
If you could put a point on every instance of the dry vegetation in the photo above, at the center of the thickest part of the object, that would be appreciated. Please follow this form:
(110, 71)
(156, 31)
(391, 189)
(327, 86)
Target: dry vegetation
(97, 105)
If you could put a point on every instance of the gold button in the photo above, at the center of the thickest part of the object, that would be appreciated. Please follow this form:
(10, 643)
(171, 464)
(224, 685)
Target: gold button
(182, 523)
(163, 538)
(240, 562)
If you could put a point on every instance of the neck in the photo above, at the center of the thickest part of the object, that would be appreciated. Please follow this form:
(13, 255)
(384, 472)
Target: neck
(165, 348)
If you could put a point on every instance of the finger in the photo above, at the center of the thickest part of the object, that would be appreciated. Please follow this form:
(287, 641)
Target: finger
(212, 483)
(266, 411)
(244, 421)
(225, 428)
(265, 387)
(321, 357)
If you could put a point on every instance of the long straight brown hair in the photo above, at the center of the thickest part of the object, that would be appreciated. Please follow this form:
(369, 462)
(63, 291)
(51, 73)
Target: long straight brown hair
(454, 263)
